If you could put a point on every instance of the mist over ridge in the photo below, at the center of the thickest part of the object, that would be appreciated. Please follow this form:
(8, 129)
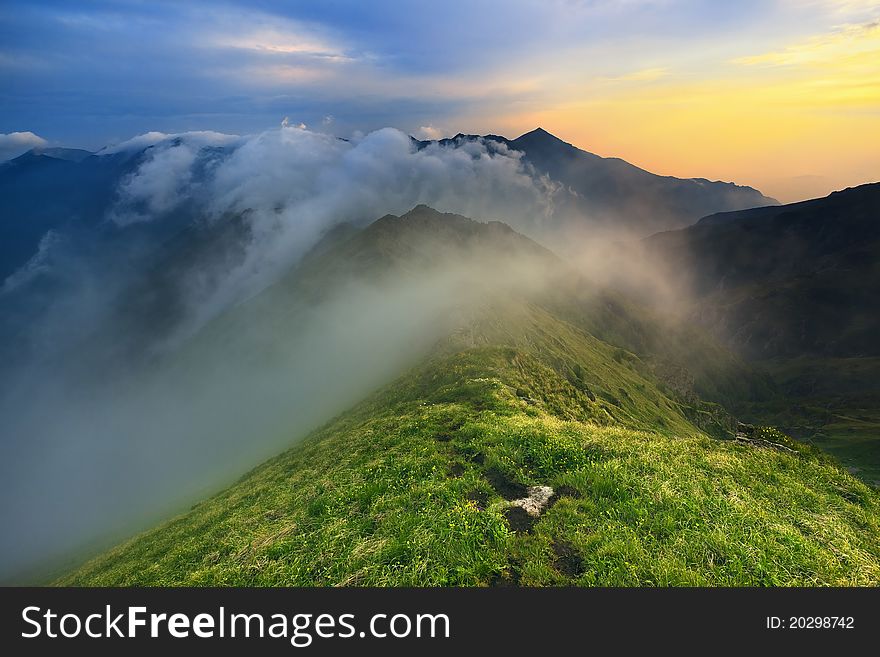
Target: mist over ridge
(208, 299)
(110, 406)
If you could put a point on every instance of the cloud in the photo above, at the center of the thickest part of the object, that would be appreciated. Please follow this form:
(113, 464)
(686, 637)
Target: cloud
(294, 184)
(290, 185)
(643, 75)
(285, 123)
(165, 178)
(116, 405)
(429, 132)
(14, 144)
(272, 41)
(844, 43)
(39, 263)
(198, 138)
(158, 186)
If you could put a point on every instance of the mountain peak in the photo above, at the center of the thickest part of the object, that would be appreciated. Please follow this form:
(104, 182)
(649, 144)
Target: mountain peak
(540, 139)
(539, 133)
(420, 216)
(422, 208)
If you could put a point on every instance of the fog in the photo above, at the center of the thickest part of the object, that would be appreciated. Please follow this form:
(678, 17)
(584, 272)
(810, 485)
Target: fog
(143, 372)
(103, 453)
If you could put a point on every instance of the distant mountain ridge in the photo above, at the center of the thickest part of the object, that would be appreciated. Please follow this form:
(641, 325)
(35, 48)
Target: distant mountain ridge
(69, 154)
(789, 280)
(612, 193)
(67, 189)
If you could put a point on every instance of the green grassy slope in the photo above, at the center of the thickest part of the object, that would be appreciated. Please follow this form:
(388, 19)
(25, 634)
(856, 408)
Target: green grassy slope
(833, 403)
(413, 486)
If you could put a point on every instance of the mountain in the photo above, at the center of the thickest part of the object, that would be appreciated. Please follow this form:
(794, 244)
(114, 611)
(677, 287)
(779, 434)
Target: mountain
(52, 192)
(611, 193)
(512, 447)
(789, 280)
(52, 189)
(49, 193)
(794, 288)
(68, 154)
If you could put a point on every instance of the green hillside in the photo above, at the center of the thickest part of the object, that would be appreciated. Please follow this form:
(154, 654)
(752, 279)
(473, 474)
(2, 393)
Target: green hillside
(413, 487)
(793, 290)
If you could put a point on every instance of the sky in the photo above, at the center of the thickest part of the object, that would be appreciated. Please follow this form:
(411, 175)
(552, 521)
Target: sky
(783, 95)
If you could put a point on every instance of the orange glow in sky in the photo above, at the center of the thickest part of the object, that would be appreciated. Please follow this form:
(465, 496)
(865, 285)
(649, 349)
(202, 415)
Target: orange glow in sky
(796, 122)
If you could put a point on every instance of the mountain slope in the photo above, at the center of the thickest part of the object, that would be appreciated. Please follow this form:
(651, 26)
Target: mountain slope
(51, 189)
(790, 280)
(418, 484)
(611, 193)
(413, 487)
(794, 289)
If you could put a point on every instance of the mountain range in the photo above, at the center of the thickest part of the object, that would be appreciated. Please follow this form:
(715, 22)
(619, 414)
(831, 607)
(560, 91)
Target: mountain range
(441, 400)
(612, 194)
(59, 189)
(788, 280)
(518, 448)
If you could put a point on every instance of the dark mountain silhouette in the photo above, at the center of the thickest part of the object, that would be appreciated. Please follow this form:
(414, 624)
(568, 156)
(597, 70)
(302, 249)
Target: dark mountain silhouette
(612, 193)
(789, 280)
(69, 154)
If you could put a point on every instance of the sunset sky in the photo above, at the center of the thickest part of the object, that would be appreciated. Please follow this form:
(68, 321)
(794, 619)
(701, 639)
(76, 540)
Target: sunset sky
(783, 95)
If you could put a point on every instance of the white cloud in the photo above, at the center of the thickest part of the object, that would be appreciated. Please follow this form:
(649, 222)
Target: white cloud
(40, 263)
(158, 186)
(293, 184)
(291, 41)
(197, 138)
(14, 144)
(164, 179)
(135, 143)
(429, 132)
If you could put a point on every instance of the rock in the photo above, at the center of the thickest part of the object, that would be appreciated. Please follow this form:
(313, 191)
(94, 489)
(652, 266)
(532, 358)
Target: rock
(537, 500)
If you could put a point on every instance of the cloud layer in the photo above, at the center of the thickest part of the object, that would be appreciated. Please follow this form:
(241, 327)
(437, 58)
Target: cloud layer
(294, 184)
(14, 144)
(147, 369)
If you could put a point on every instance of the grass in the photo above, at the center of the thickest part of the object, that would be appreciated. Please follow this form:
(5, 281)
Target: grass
(409, 488)
(833, 403)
